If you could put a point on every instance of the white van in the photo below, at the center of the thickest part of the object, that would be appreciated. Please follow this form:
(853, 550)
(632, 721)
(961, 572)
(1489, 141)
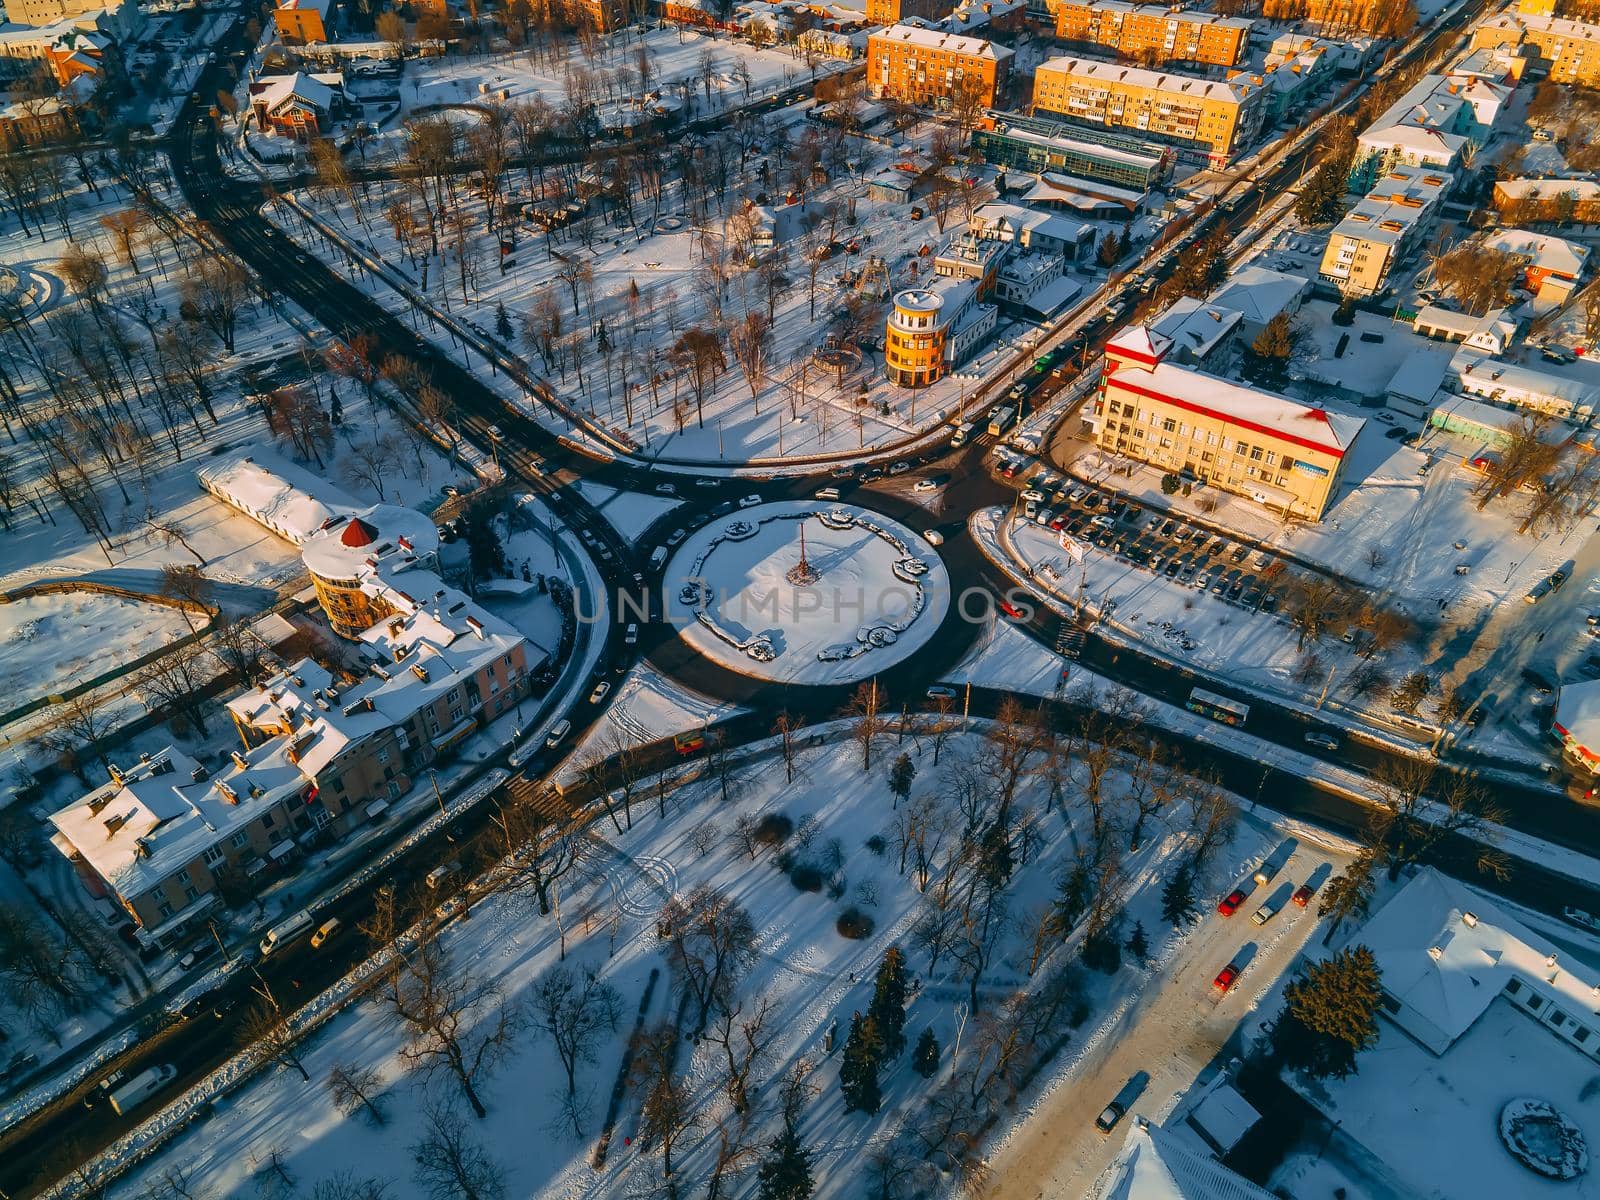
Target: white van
(827, 493)
(557, 733)
(962, 432)
(285, 931)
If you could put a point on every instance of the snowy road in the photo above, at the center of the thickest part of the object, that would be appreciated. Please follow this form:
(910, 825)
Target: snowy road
(1173, 1028)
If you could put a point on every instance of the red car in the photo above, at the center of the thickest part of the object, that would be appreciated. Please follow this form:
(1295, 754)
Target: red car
(1303, 894)
(1230, 903)
(1009, 471)
(1011, 610)
(1225, 979)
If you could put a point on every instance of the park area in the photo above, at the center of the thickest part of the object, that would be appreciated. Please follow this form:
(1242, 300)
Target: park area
(732, 918)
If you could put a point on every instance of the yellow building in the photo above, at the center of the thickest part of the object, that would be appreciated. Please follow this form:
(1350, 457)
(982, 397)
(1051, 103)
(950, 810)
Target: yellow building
(342, 557)
(1570, 50)
(1385, 226)
(304, 22)
(1153, 33)
(934, 329)
(1276, 451)
(1214, 118)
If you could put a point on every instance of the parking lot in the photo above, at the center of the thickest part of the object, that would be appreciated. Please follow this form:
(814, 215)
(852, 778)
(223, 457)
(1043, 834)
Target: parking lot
(1167, 546)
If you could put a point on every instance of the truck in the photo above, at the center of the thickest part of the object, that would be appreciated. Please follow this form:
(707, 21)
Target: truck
(1273, 863)
(141, 1087)
(1122, 1102)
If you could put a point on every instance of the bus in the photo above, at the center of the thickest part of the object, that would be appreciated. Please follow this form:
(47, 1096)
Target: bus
(688, 743)
(1001, 421)
(1218, 708)
(1044, 362)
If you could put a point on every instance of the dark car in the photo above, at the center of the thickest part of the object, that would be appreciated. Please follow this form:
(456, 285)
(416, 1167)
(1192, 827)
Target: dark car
(1394, 433)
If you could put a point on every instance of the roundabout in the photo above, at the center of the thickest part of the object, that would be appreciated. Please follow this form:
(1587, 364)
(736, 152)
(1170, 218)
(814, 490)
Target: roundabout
(806, 592)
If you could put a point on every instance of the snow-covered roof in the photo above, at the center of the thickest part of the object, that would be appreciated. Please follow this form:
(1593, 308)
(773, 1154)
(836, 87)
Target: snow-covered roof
(316, 90)
(1547, 253)
(1249, 408)
(1445, 952)
(1224, 1117)
(1400, 199)
(1419, 377)
(1195, 326)
(1139, 342)
(1054, 188)
(1065, 142)
(1432, 145)
(1578, 713)
(287, 499)
(1157, 1164)
(938, 39)
(1259, 294)
(1577, 385)
(1234, 90)
(998, 214)
(1493, 419)
(387, 534)
(152, 819)
(1548, 189)
(321, 7)
(1172, 16)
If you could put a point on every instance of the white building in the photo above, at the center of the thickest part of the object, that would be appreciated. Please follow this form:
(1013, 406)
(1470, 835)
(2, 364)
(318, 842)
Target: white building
(289, 500)
(1159, 1164)
(1201, 332)
(1491, 333)
(1446, 953)
(1041, 232)
(1571, 393)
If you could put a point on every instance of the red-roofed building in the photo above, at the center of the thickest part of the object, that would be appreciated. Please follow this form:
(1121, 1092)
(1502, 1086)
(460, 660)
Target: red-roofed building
(1279, 452)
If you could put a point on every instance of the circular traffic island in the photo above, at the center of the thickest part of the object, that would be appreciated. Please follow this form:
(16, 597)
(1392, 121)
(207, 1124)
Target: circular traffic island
(1542, 1139)
(806, 592)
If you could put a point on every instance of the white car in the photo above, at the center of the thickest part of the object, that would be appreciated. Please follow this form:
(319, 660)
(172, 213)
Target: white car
(601, 691)
(933, 537)
(630, 636)
(666, 489)
(926, 485)
(750, 502)
(1326, 741)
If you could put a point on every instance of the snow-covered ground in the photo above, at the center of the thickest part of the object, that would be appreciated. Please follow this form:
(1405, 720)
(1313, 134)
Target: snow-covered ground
(880, 592)
(648, 706)
(630, 513)
(811, 974)
(52, 641)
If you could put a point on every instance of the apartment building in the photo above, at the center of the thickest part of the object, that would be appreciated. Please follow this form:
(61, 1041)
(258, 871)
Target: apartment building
(70, 48)
(1529, 201)
(892, 12)
(1429, 126)
(1382, 229)
(350, 552)
(1555, 265)
(1039, 144)
(304, 22)
(931, 330)
(165, 840)
(1568, 51)
(1213, 118)
(1280, 453)
(1153, 34)
(49, 12)
(925, 66)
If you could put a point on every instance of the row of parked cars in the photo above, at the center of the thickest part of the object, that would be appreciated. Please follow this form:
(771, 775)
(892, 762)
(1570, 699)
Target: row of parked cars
(1180, 551)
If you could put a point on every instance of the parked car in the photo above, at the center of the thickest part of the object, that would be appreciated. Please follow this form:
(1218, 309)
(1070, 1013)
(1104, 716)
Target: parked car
(197, 954)
(750, 502)
(676, 536)
(899, 468)
(1121, 1102)
(630, 636)
(1325, 741)
(1225, 979)
(1230, 903)
(940, 692)
(1265, 913)
(1302, 895)
(666, 489)
(933, 537)
(601, 691)
(558, 732)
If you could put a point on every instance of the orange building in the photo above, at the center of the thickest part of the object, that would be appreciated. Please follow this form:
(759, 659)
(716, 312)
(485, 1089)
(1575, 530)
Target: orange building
(303, 22)
(1153, 33)
(925, 66)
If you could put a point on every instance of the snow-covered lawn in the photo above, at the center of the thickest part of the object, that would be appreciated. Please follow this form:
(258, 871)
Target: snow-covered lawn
(812, 975)
(648, 706)
(48, 643)
(630, 513)
(1432, 1120)
(879, 592)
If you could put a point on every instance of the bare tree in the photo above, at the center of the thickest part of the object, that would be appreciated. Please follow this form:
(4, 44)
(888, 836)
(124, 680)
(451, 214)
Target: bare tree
(347, 1185)
(576, 1010)
(868, 725)
(267, 1027)
(1424, 804)
(451, 1165)
(176, 683)
(81, 726)
(215, 291)
(452, 1020)
(539, 846)
(711, 944)
(357, 1088)
(744, 1038)
(667, 1110)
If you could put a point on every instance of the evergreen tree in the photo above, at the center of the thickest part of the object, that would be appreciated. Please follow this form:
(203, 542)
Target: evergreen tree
(335, 407)
(785, 1173)
(900, 776)
(1347, 895)
(1178, 905)
(858, 1068)
(1330, 1015)
(1072, 897)
(502, 322)
(1102, 952)
(925, 1058)
(1138, 942)
(888, 1011)
(1276, 347)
